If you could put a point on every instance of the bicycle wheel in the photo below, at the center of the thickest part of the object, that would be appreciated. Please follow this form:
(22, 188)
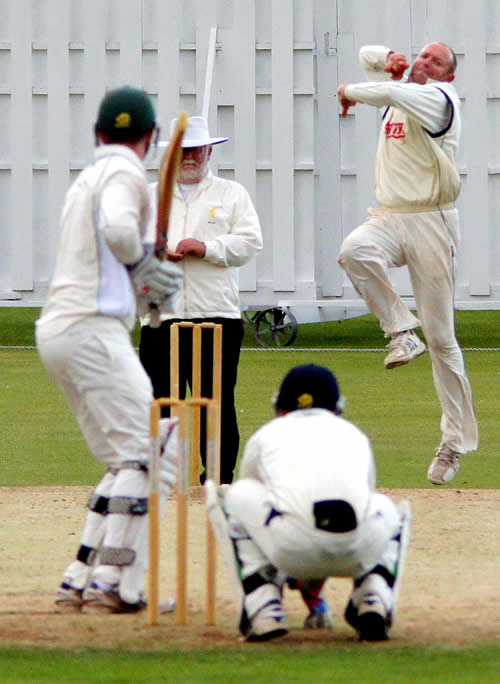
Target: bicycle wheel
(276, 327)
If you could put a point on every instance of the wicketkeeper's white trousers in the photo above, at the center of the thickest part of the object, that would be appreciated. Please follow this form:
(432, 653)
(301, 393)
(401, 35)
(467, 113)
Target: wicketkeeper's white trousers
(426, 242)
(301, 551)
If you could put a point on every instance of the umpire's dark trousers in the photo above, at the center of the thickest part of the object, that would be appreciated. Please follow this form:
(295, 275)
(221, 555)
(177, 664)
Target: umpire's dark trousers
(154, 352)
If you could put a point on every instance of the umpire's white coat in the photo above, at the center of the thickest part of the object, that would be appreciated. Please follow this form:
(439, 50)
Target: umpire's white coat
(288, 465)
(220, 214)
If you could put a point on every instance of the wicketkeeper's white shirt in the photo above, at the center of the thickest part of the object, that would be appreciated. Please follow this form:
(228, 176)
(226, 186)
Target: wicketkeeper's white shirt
(308, 456)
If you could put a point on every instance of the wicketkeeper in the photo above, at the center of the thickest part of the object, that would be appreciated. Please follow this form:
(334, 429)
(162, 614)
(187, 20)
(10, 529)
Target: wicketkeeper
(303, 509)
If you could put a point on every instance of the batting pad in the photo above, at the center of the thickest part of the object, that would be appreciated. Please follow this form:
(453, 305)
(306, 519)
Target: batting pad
(405, 512)
(220, 528)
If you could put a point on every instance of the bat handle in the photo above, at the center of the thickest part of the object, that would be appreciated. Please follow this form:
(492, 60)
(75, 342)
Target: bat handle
(155, 317)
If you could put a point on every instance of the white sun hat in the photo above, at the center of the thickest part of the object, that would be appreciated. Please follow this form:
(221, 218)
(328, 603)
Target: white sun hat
(196, 133)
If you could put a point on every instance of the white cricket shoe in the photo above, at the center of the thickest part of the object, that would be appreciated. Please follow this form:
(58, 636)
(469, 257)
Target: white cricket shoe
(370, 618)
(444, 467)
(403, 348)
(269, 623)
(101, 601)
(372, 621)
(69, 599)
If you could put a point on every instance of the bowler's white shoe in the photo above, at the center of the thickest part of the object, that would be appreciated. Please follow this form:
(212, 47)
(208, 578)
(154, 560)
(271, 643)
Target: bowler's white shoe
(403, 348)
(444, 467)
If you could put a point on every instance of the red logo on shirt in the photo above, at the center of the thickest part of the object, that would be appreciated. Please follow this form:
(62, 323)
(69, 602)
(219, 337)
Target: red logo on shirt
(394, 130)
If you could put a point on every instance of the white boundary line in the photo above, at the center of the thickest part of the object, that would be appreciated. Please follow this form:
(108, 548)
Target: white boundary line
(304, 349)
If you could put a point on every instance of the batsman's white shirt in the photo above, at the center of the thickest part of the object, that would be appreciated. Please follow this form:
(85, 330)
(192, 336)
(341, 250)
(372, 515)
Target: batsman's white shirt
(83, 332)
(293, 462)
(103, 227)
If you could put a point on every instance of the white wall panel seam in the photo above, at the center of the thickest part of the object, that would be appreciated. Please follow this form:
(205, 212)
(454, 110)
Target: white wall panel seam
(21, 227)
(58, 119)
(282, 147)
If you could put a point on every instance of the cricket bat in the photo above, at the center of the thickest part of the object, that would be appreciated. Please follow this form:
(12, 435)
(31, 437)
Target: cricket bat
(168, 171)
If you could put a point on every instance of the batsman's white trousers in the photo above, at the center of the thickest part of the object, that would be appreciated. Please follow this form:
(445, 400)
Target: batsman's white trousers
(105, 384)
(427, 243)
(299, 550)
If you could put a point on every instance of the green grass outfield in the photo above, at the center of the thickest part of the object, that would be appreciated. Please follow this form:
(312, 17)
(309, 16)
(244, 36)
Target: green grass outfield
(475, 329)
(41, 446)
(274, 663)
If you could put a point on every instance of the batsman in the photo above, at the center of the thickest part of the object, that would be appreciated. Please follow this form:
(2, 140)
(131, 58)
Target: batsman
(105, 273)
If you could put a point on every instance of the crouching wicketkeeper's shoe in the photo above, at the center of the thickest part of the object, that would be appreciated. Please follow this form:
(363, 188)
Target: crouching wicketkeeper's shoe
(444, 467)
(403, 348)
(370, 618)
(69, 599)
(269, 623)
(101, 601)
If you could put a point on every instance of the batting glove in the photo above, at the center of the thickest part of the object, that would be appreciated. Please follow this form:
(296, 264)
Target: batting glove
(155, 278)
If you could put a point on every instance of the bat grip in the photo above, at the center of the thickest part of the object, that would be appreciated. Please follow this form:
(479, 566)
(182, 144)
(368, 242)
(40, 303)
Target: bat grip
(155, 318)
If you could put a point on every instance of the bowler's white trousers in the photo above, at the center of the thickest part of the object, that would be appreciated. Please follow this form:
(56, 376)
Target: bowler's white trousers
(299, 550)
(427, 242)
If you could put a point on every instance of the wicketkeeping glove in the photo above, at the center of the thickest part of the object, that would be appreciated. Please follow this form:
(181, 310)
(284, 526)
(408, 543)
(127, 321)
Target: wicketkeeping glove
(312, 593)
(155, 278)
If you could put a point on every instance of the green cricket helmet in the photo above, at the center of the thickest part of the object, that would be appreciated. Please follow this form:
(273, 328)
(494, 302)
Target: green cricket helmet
(125, 113)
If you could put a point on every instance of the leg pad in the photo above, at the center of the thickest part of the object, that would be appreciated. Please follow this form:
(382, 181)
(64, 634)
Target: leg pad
(86, 554)
(112, 555)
